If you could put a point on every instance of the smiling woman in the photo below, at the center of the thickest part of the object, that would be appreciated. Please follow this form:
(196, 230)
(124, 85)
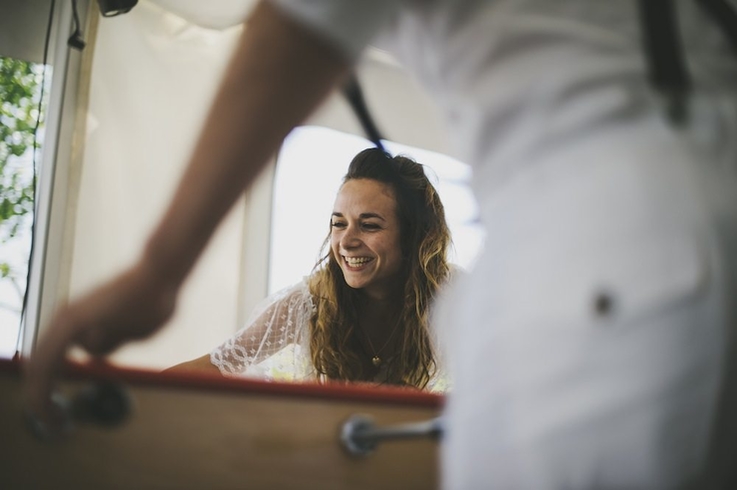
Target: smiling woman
(364, 314)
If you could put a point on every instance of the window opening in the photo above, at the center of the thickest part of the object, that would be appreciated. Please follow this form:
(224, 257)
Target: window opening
(309, 170)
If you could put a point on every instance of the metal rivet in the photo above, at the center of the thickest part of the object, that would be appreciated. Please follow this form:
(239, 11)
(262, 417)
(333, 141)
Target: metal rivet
(603, 304)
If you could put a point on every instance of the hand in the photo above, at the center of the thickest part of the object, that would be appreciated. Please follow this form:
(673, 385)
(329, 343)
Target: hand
(132, 306)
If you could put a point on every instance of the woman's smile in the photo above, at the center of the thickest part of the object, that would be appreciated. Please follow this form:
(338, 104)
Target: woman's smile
(357, 263)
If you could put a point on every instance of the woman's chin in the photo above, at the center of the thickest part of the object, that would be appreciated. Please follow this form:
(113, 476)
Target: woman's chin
(355, 281)
(356, 284)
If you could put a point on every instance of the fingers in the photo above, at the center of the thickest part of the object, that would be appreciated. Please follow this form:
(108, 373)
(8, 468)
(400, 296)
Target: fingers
(40, 373)
(101, 342)
(133, 319)
(132, 306)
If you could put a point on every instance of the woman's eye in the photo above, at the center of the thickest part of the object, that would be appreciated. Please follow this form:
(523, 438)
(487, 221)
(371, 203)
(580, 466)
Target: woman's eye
(371, 226)
(337, 224)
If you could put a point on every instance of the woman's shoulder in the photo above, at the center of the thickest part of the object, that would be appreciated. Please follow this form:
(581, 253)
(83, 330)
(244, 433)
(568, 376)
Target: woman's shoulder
(291, 298)
(293, 291)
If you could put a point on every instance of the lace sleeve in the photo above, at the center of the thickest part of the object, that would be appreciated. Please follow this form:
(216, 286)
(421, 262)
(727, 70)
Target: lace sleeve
(278, 328)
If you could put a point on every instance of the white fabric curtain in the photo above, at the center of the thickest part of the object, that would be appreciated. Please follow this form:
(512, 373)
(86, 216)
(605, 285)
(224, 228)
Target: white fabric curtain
(154, 73)
(153, 76)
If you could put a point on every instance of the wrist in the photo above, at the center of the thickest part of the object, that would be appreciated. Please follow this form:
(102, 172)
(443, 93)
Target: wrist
(162, 266)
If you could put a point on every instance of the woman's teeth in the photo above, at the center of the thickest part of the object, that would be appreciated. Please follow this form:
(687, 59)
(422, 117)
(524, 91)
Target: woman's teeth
(356, 261)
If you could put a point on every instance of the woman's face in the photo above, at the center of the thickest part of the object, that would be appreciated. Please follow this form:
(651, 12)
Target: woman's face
(365, 236)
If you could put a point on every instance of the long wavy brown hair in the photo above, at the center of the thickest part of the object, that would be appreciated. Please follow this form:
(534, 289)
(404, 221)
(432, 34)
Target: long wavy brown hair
(335, 347)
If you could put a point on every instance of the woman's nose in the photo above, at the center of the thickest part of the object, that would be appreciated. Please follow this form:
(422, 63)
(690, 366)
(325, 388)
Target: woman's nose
(350, 238)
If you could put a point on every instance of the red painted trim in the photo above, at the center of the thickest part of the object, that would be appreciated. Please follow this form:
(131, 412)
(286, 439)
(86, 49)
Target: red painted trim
(213, 382)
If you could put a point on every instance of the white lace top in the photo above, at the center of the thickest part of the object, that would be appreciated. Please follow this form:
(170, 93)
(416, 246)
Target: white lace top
(275, 342)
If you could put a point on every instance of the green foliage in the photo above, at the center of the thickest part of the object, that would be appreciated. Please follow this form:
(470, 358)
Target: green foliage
(19, 88)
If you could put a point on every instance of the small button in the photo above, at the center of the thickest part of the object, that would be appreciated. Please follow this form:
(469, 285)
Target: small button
(603, 304)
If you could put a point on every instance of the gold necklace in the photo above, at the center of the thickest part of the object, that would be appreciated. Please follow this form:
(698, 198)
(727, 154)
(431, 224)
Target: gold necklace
(376, 360)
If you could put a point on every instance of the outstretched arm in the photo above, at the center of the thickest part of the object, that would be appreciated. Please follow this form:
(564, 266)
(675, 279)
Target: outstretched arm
(277, 322)
(201, 364)
(278, 75)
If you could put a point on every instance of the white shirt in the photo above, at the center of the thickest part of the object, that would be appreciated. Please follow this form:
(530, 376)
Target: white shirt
(590, 339)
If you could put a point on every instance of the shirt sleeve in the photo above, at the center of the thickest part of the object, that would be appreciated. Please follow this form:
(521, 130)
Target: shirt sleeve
(350, 25)
(276, 323)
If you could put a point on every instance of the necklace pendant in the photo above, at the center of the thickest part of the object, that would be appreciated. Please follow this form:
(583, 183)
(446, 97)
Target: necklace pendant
(376, 360)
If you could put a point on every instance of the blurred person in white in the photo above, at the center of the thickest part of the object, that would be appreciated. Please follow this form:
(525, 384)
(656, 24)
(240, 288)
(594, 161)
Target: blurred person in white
(593, 343)
(364, 314)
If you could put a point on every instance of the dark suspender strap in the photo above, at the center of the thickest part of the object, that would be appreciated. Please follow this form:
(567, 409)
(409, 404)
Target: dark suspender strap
(725, 17)
(664, 56)
(353, 93)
